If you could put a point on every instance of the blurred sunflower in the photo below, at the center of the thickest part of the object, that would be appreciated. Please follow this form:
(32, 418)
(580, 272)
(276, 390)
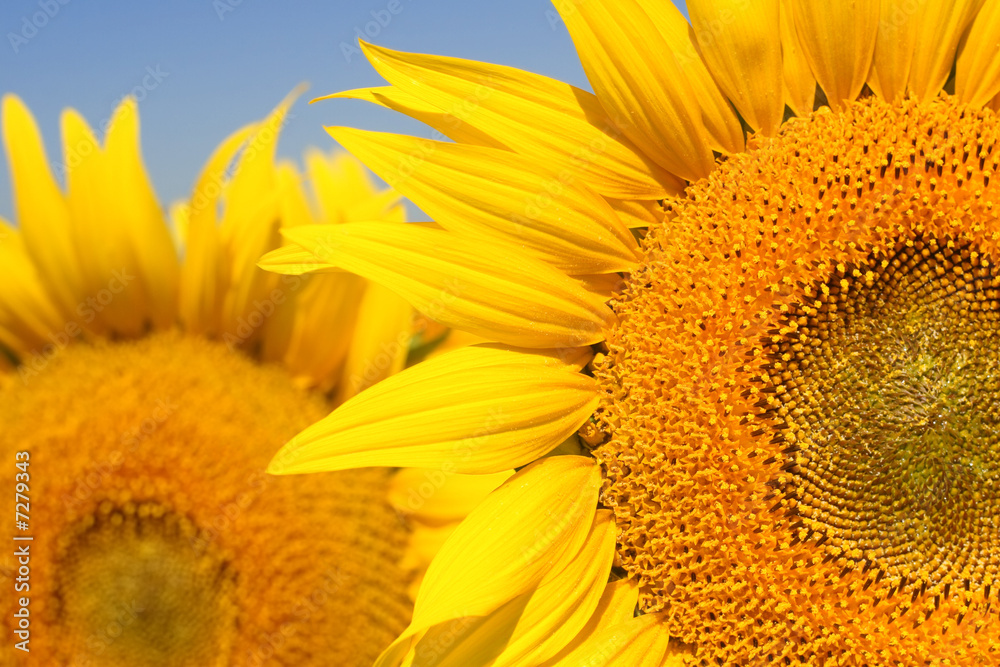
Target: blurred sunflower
(790, 408)
(143, 395)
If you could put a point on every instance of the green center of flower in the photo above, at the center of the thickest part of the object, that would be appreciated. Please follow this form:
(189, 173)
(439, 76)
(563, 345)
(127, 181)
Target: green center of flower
(138, 588)
(888, 381)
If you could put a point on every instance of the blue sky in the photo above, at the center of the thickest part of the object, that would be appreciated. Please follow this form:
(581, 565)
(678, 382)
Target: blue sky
(202, 68)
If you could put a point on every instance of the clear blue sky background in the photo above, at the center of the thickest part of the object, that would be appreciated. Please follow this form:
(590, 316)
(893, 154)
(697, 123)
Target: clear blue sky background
(223, 63)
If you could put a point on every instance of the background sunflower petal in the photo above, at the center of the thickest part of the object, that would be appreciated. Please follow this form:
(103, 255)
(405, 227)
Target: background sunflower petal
(40, 208)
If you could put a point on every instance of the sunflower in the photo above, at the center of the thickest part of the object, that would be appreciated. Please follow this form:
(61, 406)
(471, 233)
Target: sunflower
(754, 280)
(143, 395)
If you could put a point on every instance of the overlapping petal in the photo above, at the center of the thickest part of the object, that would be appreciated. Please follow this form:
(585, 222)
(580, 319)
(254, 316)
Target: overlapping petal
(977, 76)
(40, 207)
(516, 538)
(489, 194)
(541, 118)
(505, 296)
(475, 410)
(742, 45)
(638, 80)
(800, 84)
(838, 41)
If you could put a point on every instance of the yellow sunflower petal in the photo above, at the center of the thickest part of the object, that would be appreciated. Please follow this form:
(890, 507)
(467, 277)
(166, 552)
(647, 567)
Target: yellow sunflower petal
(40, 208)
(490, 194)
(638, 642)
(505, 296)
(899, 25)
(838, 40)
(155, 257)
(977, 77)
(28, 317)
(800, 84)
(249, 224)
(741, 43)
(436, 497)
(292, 201)
(617, 605)
(319, 308)
(474, 410)
(562, 604)
(203, 276)
(531, 627)
(294, 260)
(721, 122)
(637, 214)
(511, 541)
(539, 117)
(637, 79)
(941, 26)
(100, 231)
(380, 341)
(448, 125)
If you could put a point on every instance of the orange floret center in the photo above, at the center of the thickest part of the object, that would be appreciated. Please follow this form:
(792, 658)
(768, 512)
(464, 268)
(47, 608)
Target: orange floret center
(802, 413)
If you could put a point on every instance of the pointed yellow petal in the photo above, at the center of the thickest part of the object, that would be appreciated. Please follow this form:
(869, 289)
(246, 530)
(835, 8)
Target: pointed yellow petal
(155, 259)
(977, 77)
(838, 39)
(898, 28)
(942, 25)
(637, 214)
(249, 225)
(489, 194)
(446, 124)
(40, 208)
(800, 84)
(604, 285)
(292, 202)
(617, 605)
(511, 541)
(311, 335)
(100, 231)
(203, 273)
(562, 604)
(642, 641)
(379, 344)
(294, 260)
(499, 294)
(721, 122)
(637, 79)
(28, 316)
(474, 410)
(741, 43)
(532, 626)
(538, 117)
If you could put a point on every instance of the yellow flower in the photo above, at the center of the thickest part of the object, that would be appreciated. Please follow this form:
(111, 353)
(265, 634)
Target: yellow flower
(789, 408)
(144, 394)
